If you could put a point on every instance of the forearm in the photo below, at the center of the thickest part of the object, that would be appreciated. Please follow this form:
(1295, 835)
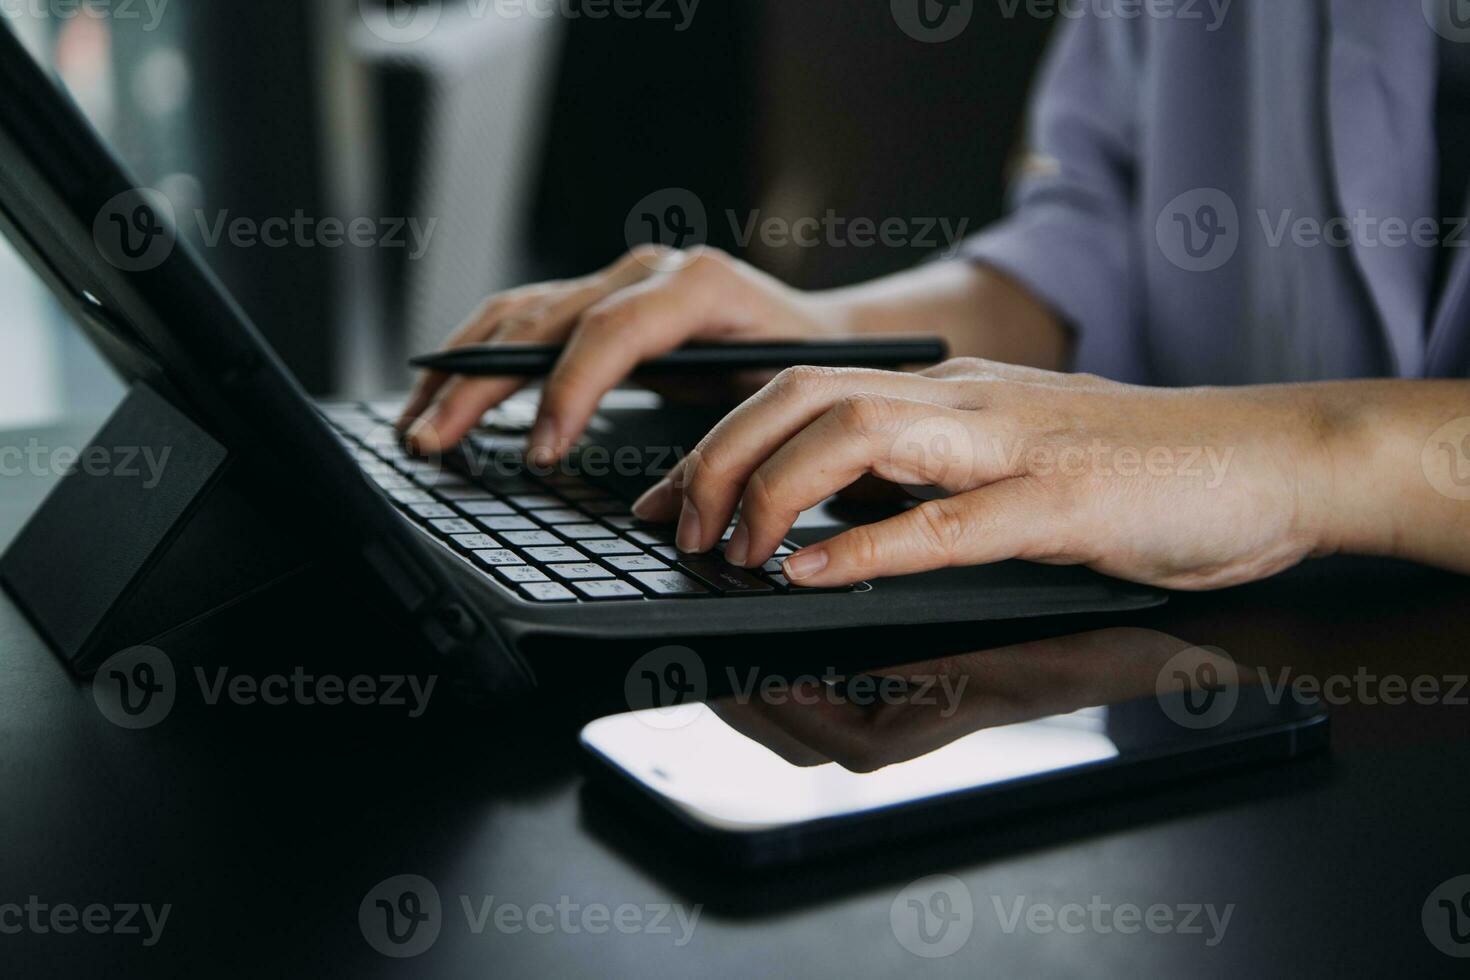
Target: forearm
(979, 311)
(1398, 469)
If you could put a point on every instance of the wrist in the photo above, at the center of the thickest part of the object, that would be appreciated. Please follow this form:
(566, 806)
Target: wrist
(1362, 461)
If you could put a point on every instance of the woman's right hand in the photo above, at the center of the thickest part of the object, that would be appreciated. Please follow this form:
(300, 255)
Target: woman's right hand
(649, 302)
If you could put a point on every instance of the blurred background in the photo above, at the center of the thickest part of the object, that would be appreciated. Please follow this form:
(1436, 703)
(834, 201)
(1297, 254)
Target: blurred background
(485, 143)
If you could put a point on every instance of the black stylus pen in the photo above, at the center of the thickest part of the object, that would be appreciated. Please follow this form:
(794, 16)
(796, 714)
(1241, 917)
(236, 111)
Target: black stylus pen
(532, 360)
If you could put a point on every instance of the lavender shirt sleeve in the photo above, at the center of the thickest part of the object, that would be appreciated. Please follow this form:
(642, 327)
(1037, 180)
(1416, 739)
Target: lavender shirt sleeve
(1069, 237)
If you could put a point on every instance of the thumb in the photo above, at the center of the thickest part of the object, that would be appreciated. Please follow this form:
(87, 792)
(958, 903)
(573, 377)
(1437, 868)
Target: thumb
(1008, 519)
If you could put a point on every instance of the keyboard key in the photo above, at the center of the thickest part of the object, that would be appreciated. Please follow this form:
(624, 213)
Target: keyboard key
(547, 591)
(475, 542)
(452, 525)
(517, 574)
(392, 481)
(507, 523)
(653, 537)
(430, 511)
(535, 501)
(441, 478)
(499, 556)
(636, 563)
(623, 522)
(611, 546)
(616, 507)
(579, 571)
(411, 496)
(726, 579)
(773, 566)
(669, 583)
(522, 539)
(457, 494)
(560, 515)
(785, 549)
(547, 555)
(484, 508)
(607, 589)
(666, 551)
(583, 532)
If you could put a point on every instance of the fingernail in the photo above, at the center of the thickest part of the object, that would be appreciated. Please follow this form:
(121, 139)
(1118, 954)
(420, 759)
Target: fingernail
(805, 564)
(738, 547)
(423, 437)
(541, 446)
(687, 538)
(654, 501)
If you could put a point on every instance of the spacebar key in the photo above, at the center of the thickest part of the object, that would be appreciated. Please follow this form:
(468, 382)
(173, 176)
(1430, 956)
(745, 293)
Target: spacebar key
(725, 578)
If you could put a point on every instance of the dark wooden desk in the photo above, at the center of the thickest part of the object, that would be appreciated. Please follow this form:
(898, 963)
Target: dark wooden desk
(264, 827)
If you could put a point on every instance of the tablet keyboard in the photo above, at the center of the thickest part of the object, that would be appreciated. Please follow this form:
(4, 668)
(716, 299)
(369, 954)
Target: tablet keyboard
(550, 538)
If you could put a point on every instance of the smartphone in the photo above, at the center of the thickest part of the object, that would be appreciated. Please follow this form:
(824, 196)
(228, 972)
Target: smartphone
(759, 785)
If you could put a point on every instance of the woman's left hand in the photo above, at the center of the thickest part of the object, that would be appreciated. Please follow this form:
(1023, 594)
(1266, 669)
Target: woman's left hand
(1182, 488)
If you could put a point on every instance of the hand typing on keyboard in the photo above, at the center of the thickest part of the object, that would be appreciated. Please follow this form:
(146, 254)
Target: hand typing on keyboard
(1186, 489)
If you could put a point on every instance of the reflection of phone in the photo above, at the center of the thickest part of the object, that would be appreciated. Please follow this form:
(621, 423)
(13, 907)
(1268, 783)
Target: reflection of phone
(731, 787)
